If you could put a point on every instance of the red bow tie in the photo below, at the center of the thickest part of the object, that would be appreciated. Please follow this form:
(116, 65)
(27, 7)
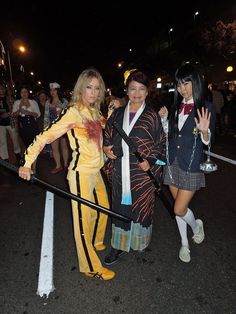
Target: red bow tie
(186, 107)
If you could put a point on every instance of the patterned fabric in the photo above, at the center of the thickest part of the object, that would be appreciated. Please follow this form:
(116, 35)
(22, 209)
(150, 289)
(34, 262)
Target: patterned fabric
(190, 181)
(149, 138)
(52, 114)
(137, 238)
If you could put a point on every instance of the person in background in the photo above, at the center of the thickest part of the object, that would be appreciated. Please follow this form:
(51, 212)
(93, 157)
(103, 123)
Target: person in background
(27, 111)
(54, 105)
(42, 98)
(218, 103)
(190, 125)
(133, 193)
(83, 124)
(43, 120)
(7, 124)
(233, 112)
(226, 108)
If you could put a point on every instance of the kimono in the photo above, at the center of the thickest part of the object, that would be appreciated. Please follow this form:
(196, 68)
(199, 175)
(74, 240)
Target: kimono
(148, 136)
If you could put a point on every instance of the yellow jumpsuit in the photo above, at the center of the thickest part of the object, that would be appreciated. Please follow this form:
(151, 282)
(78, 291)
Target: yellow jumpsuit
(84, 130)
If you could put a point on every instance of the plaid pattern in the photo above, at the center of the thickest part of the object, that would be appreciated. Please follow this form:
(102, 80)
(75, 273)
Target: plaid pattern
(190, 181)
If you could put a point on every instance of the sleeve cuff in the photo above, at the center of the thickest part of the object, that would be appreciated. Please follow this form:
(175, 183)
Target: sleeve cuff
(209, 138)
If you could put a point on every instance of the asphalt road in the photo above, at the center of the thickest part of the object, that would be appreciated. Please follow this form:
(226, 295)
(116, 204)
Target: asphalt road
(155, 281)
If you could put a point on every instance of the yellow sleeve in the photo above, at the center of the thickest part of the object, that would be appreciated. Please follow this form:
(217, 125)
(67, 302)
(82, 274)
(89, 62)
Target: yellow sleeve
(103, 121)
(67, 120)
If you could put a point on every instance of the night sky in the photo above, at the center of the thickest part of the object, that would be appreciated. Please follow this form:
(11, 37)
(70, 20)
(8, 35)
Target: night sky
(63, 40)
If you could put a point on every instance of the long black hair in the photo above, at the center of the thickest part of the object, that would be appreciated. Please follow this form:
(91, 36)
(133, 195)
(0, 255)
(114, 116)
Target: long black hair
(186, 73)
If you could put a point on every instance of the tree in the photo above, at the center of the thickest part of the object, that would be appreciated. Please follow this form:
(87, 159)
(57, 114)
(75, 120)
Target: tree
(220, 40)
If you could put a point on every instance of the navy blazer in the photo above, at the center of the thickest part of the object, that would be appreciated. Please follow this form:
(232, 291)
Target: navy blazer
(181, 147)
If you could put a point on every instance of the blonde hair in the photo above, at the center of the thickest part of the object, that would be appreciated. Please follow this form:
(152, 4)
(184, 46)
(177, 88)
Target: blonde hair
(84, 78)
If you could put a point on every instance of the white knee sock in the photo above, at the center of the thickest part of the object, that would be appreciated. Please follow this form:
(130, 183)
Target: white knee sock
(190, 220)
(182, 226)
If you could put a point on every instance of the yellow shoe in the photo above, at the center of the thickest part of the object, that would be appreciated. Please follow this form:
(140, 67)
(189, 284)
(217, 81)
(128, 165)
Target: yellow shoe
(102, 274)
(100, 247)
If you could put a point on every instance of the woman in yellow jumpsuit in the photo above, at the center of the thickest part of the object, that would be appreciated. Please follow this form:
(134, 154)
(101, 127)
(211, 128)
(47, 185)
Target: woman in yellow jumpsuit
(83, 124)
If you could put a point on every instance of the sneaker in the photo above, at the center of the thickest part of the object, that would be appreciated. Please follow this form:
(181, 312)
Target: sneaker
(113, 256)
(102, 274)
(184, 254)
(56, 170)
(100, 247)
(199, 236)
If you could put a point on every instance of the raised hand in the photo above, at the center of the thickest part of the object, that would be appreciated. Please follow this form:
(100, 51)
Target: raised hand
(203, 120)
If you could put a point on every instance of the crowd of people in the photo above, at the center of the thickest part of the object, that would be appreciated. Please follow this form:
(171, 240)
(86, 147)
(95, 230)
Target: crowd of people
(105, 170)
(23, 117)
(224, 101)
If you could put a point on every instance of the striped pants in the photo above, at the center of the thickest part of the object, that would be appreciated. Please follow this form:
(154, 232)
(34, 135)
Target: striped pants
(89, 225)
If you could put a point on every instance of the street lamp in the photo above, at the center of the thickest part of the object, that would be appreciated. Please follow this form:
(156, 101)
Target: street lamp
(170, 39)
(229, 69)
(195, 14)
(22, 49)
(120, 64)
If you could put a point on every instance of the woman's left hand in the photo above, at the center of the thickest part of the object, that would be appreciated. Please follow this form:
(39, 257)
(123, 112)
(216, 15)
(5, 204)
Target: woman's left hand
(203, 121)
(144, 165)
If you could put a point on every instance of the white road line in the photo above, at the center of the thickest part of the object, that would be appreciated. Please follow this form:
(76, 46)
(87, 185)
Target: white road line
(45, 282)
(230, 161)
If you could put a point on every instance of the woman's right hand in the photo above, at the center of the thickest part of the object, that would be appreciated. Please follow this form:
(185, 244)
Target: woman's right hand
(114, 104)
(163, 112)
(25, 173)
(108, 151)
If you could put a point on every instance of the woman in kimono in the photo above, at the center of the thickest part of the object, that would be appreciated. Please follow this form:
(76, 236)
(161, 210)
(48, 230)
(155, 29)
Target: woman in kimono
(133, 193)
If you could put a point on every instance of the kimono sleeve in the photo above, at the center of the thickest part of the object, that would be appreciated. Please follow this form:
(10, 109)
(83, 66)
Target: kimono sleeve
(157, 152)
(108, 132)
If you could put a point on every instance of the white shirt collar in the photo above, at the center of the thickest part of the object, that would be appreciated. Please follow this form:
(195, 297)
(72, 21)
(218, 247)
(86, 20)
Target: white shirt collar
(190, 101)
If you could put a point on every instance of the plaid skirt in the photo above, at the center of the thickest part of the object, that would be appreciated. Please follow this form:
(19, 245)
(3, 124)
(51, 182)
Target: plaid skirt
(190, 181)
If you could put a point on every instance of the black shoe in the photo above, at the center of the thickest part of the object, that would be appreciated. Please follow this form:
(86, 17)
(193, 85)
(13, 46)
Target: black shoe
(113, 256)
